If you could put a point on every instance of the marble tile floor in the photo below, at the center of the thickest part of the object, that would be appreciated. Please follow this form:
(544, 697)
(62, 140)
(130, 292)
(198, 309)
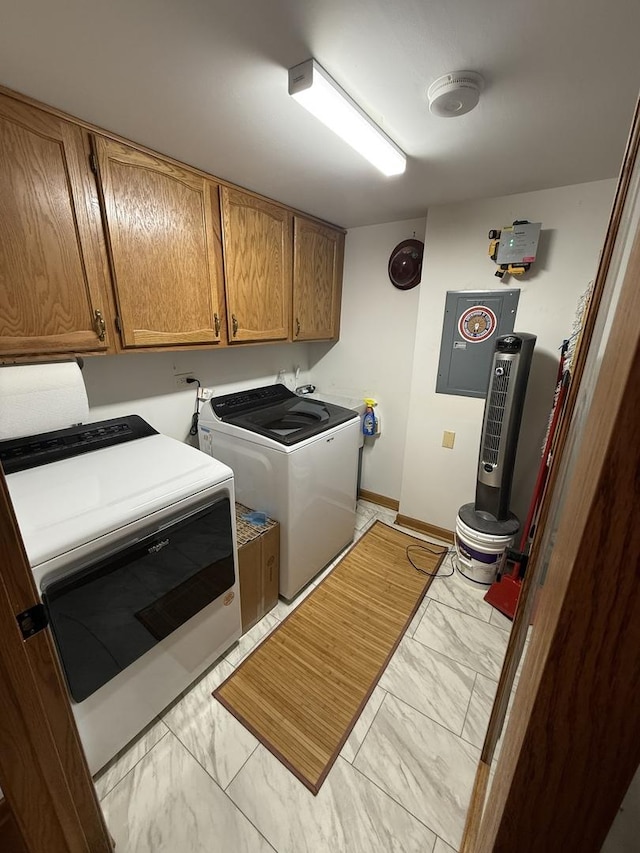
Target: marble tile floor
(196, 780)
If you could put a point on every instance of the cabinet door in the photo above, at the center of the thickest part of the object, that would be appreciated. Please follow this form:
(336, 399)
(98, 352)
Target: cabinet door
(317, 280)
(163, 231)
(53, 283)
(257, 265)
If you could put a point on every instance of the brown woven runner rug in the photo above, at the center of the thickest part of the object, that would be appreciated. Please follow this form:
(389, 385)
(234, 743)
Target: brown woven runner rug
(302, 690)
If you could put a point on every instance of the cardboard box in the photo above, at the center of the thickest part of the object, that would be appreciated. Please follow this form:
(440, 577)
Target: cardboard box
(258, 567)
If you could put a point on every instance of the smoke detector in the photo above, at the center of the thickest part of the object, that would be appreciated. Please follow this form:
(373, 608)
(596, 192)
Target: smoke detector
(455, 94)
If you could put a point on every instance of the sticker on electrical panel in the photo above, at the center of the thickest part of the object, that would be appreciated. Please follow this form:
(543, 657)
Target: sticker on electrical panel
(477, 324)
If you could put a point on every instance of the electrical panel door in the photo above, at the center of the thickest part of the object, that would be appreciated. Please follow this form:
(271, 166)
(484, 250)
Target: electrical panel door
(473, 319)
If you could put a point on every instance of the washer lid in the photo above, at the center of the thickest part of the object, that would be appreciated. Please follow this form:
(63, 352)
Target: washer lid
(293, 421)
(277, 413)
(65, 504)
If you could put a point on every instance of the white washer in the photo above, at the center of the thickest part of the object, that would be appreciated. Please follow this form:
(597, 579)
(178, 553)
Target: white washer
(296, 459)
(133, 549)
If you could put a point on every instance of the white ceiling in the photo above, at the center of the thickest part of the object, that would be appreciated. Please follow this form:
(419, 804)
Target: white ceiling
(206, 82)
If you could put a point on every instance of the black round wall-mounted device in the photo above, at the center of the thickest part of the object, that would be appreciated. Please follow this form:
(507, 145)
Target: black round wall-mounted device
(405, 264)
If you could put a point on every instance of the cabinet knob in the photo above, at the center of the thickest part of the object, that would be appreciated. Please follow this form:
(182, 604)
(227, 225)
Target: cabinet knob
(234, 323)
(297, 327)
(216, 325)
(99, 324)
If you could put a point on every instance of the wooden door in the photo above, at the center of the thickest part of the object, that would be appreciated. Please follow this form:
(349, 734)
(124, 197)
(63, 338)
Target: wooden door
(53, 283)
(257, 265)
(318, 255)
(46, 782)
(163, 232)
(571, 746)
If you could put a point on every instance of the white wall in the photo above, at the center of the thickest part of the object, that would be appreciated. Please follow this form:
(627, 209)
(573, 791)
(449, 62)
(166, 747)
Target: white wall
(144, 383)
(389, 347)
(374, 354)
(437, 481)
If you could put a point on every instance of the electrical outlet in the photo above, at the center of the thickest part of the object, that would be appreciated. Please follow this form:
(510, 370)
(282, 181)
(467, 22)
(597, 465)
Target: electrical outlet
(448, 439)
(181, 380)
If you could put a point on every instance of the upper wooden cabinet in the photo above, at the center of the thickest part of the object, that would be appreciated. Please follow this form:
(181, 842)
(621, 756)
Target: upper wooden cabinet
(317, 280)
(96, 234)
(163, 233)
(257, 265)
(52, 276)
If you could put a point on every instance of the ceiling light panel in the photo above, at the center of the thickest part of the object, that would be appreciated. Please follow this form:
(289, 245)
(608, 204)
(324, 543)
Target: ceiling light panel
(312, 87)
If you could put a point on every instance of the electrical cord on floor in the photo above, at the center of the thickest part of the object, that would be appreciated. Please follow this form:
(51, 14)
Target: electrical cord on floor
(440, 552)
(196, 413)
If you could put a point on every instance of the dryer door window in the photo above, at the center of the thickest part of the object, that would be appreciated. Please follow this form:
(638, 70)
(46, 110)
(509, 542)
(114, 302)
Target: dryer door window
(107, 615)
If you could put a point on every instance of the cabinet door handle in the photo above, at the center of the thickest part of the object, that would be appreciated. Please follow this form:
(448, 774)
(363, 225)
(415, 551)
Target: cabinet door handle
(216, 325)
(234, 323)
(99, 324)
(297, 327)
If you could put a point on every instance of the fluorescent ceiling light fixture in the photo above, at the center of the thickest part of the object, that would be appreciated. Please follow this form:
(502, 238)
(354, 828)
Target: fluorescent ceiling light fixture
(312, 87)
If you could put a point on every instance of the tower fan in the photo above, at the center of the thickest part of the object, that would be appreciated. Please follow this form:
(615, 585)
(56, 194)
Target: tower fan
(485, 528)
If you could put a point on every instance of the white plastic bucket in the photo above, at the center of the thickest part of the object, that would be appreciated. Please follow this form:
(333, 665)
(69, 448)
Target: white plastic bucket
(478, 554)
